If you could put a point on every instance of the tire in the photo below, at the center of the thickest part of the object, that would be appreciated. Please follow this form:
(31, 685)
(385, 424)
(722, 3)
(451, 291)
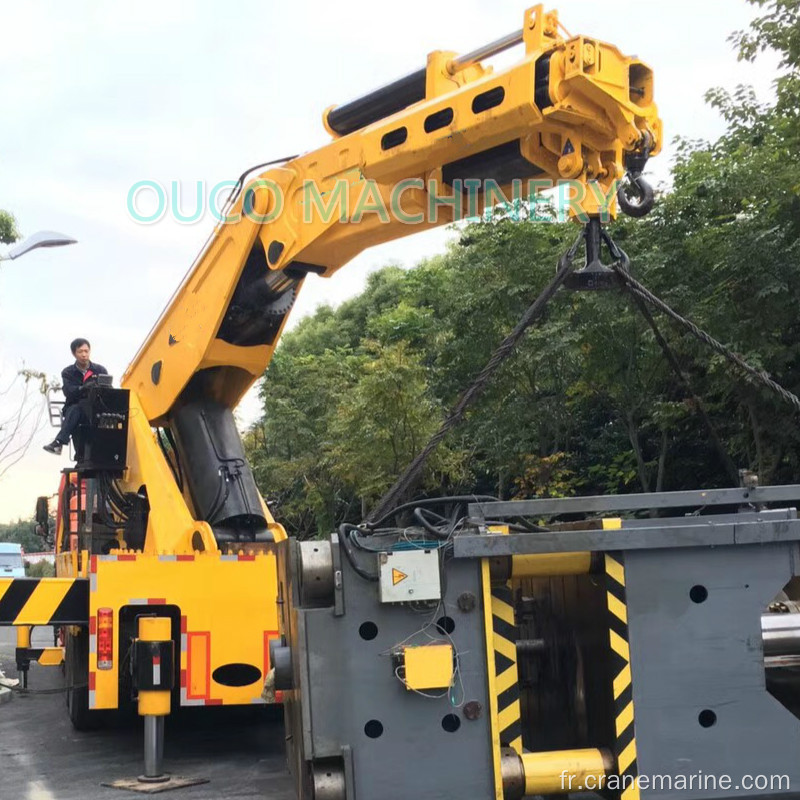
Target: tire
(76, 676)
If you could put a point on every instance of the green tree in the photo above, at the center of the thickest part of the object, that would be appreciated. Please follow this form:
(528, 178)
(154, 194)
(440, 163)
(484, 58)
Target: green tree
(383, 421)
(8, 228)
(22, 532)
(587, 404)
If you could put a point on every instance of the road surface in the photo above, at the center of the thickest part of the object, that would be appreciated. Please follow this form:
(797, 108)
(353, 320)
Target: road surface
(240, 751)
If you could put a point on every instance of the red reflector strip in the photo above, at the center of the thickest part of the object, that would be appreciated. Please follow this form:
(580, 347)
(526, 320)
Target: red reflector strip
(247, 558)
(183, 679)
(92, 680)
(213, 702)
(185, 557)
(156, 601)
(126, 557)
(183, 624)
(92, 626)
(93, 564)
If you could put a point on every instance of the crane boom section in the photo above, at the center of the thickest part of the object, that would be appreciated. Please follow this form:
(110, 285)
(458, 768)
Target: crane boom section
(571, 109)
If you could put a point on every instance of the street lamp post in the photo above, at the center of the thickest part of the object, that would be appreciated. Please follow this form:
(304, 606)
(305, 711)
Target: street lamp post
(40, 239)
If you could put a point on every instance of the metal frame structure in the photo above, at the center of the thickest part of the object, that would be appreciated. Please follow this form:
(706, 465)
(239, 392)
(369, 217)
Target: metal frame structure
(669, 628)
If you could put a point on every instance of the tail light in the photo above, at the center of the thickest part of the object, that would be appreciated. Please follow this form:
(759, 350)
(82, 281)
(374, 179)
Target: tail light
(105, 638)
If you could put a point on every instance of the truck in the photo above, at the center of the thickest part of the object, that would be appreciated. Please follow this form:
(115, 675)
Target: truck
(162, 516)
(11, 563)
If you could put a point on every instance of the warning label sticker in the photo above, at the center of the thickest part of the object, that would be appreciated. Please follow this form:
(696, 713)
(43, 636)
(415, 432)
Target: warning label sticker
(397, 576)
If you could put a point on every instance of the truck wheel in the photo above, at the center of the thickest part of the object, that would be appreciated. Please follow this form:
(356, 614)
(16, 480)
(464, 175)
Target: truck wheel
(76, 675)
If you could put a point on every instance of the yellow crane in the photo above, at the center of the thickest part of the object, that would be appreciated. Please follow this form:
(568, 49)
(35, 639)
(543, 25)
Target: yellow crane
(165, 519)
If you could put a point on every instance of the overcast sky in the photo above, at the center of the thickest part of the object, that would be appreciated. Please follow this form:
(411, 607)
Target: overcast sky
(97, 96)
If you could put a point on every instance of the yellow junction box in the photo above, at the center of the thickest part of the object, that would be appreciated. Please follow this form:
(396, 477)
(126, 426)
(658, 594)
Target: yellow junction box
(428, 667)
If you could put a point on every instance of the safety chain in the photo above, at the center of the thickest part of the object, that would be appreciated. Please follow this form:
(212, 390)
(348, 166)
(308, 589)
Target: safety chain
(503, 351)
(683, 380)
(594, 275)
(758, 375)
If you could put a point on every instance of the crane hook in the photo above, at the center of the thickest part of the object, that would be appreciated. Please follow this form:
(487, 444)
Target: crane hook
(636, 196)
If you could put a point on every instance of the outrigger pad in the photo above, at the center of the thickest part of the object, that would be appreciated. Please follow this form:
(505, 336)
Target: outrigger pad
(147, 787)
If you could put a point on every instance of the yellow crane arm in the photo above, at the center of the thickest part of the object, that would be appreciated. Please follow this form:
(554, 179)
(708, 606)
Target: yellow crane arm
(416, 154)
(440, 144)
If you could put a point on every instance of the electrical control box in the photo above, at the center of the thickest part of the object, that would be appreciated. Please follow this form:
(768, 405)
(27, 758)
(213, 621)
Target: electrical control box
(428, 667)
(105, 434)
(409, 575)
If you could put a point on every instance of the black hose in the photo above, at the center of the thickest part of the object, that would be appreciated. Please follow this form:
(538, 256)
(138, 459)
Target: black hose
(344, 538)
(165, 452)
(419, 515)
(174, 446)
(216, 504)
(432, 501)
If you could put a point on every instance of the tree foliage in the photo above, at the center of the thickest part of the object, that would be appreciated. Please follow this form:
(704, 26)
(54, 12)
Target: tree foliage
(587, 404)
(23, 532)
(8, 228)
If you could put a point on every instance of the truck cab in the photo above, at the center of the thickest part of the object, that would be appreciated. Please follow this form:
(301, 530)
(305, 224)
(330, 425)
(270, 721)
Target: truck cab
(11, 563)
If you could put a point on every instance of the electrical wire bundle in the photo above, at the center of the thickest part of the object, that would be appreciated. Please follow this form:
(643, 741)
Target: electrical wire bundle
(456, 677)
(428, 523)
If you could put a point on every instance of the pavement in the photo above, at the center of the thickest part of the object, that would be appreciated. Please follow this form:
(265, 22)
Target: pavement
(240, 750)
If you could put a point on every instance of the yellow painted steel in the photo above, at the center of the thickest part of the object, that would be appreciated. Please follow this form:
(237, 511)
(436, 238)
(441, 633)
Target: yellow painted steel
(622, 680)
(562, 771)
(428, 667)
(546, 565)
(624, 713)
(618, 608)
(615, 571)
(51, 657)
(230, 611)
(624, 718)
(505, 668)
(506, 671)
(619, 645)
(601, 106)
(154, 629)
(44, 601)
(39, 607)
(488, 630)
(24, 636)
(67, 563)
(155, 704)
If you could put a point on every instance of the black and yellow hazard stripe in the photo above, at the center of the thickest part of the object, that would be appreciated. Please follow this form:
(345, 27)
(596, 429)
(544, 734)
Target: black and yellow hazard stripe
(504, 639)
(44, 601)
(46, 656)
(625, 744)
(491, 678)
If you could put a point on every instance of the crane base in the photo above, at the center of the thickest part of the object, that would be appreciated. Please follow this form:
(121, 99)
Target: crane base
(173, 782)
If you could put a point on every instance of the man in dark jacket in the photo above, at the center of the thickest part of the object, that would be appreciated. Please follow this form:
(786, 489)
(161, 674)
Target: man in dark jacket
(73, 380)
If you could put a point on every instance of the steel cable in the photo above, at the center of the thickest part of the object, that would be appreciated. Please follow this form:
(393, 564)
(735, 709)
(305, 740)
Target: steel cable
(758, 375)
(473, 391)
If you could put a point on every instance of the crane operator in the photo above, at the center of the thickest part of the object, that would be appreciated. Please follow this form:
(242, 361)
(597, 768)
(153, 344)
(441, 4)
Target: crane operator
(74, 379)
